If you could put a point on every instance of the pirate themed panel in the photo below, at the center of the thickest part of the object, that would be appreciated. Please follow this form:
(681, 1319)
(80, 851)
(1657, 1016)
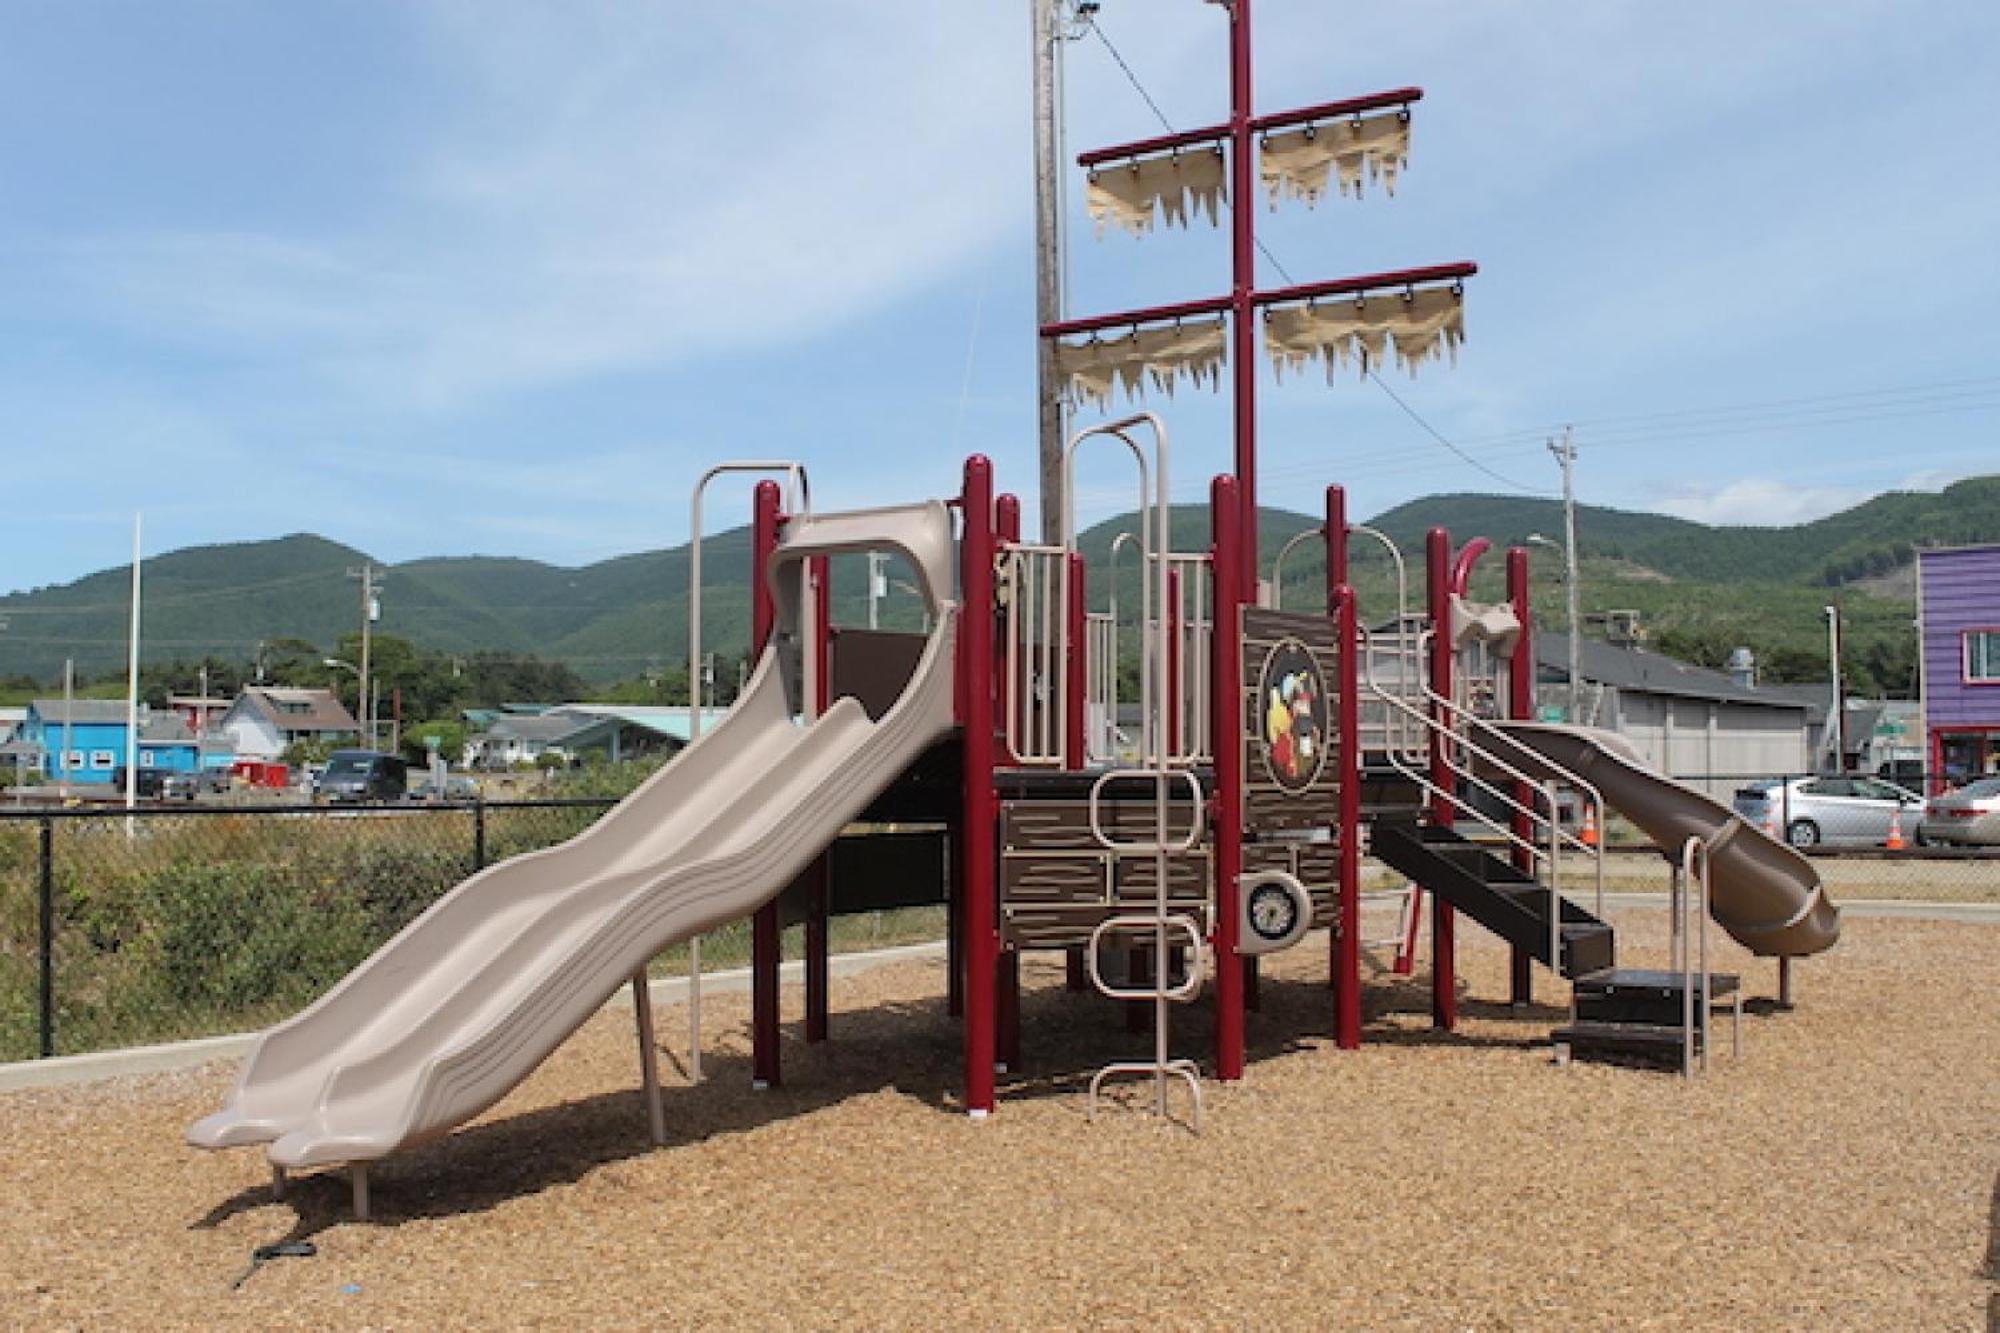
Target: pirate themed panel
(1290, 666)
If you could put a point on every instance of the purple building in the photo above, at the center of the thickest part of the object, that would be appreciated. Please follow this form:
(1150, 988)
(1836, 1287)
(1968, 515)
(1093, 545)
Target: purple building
(1958, 609)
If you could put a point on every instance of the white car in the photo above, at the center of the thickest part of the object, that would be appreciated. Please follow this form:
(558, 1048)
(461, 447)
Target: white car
(1970, 815)
(1831, 811)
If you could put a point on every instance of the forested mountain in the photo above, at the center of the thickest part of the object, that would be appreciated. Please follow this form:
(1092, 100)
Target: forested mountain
(1700, 590)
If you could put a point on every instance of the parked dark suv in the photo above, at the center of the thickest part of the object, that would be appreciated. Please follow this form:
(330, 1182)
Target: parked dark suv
(157, 784)
(362, 775)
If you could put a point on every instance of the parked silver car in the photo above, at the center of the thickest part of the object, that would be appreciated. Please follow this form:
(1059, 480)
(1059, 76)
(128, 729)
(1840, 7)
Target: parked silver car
(1969, 815)
(1831, 811)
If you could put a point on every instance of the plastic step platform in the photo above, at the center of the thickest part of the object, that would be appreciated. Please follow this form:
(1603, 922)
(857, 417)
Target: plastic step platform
(1643, 995)
(1652, 1042)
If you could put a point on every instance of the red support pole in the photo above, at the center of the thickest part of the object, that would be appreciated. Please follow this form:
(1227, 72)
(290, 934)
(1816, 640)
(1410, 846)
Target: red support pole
(1335, 534)
(1226, 817)
(1444, 961)
(1521, 706)
(766, 938)
(1077, 663)
(1347, 946)
(979, 915)
(1242, 293)
(819, 879)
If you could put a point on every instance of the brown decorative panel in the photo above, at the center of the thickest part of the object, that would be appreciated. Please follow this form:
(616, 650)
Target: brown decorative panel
(1290, 670)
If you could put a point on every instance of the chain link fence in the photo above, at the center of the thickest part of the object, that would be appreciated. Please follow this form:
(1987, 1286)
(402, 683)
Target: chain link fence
(120, 929)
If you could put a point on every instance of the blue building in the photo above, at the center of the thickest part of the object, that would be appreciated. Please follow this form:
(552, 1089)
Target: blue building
(86, 740)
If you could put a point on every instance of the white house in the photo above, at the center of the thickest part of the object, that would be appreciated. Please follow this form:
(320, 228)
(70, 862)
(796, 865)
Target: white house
(265, 720)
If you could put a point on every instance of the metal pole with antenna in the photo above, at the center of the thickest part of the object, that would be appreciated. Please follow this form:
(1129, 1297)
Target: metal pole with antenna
(1836, 720)
(1565, 452)
(132, 685)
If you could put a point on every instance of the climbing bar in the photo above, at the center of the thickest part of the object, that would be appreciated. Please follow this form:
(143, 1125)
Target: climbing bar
(1277, 120)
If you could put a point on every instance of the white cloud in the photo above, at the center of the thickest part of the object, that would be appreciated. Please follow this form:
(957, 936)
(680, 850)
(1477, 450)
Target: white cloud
(1755, 502)
(613, 194)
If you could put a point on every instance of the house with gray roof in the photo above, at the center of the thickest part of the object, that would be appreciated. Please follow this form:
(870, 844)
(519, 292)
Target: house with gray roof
(1708, 728)
(265, 720)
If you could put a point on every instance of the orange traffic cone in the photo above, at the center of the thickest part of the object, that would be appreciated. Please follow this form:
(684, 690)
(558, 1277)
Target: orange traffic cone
(1588, 835)
(1896, 843)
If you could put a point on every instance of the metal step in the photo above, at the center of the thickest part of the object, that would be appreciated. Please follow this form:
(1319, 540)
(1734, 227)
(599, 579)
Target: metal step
(1648, 1041)
(1643, 995)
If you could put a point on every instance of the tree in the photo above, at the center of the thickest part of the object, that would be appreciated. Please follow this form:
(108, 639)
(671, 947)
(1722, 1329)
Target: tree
(450, 737)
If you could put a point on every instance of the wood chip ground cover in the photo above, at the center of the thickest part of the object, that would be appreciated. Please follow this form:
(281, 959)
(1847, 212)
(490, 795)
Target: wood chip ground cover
(1841, 1174)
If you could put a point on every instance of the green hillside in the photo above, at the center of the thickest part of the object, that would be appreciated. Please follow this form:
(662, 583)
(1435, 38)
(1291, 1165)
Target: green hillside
(1700, 590)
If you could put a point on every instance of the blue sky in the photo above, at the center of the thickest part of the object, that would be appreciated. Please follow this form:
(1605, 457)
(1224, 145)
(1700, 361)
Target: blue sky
(449, 278)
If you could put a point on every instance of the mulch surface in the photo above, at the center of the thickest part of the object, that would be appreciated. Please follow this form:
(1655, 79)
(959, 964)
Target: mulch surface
(1840, 1174)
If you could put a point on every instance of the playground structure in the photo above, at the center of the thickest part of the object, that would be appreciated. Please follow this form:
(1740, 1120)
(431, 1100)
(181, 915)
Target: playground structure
(1276, 746)
(1274, 749)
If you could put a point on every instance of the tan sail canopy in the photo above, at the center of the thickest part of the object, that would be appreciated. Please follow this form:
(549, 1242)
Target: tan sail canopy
(1300, 162)
(1423, 325)
(1172, 184)
(1194, 349)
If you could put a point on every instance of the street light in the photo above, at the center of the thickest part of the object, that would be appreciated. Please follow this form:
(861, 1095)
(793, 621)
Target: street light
(1570, 600)
(348, 666)
(1838, 729)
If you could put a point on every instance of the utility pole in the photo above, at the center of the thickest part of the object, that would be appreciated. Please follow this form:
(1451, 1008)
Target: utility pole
(371, 611)
(1836, 719)
(1053, 23)
(1565, 452)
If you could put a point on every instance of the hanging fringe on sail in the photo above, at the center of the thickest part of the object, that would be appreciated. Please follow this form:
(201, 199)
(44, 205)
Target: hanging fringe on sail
(1424, 325)
(1127, 193)
(1299, 162)
(1196, 349)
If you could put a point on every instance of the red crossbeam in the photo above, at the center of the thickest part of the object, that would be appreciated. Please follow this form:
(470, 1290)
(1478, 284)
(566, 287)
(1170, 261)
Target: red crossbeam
(1214, 305)
(1277, 120)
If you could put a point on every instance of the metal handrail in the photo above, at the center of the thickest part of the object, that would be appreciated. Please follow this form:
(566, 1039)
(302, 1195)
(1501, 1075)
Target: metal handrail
(1278, 564)
(799, 503)
(1550, 855)
(1695, 870)
(1190, 985)
(1197, 821)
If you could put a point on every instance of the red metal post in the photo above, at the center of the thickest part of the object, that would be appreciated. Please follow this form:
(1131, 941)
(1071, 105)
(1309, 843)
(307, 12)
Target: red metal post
(1347, 946)
(819, 879)
(1226, 816)
(1243, 286)
(1521, 706)
(1335, 534)
(1444, 961)
(980, 810)
(766, 940)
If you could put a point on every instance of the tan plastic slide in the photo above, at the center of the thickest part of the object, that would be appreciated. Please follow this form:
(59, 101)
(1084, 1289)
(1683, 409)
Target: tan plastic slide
(1767, 896)
(468, 999)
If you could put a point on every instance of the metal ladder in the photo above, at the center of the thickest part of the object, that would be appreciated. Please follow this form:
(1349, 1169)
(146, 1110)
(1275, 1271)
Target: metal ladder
(1165, 926)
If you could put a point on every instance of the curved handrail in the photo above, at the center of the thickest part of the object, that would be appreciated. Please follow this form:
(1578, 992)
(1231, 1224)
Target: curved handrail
(800, 501)
(1278, 564)
(1454, 739)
